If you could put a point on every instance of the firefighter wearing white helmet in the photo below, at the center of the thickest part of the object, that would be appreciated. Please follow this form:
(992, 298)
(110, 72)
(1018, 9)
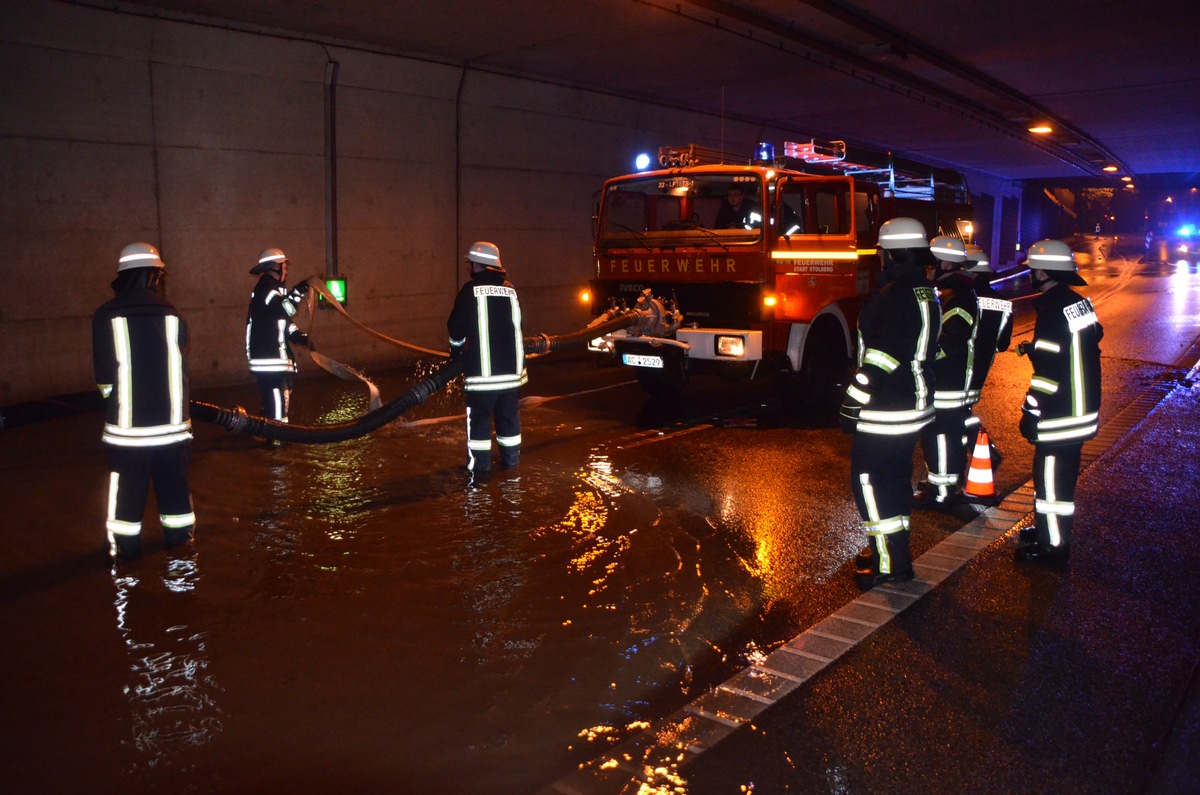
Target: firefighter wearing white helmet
(485, 328)
(943, 442)
(1062, 406)
(139, 352)
(271, 332)
(888, 401)
(993, 334)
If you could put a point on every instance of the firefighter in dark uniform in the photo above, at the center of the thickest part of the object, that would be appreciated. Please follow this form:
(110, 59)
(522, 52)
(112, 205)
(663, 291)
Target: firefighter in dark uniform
(270, 333)
(993, 335)
(1062, 407)
(485, 326)
(889, 400)
(942, 442)
(139, 347)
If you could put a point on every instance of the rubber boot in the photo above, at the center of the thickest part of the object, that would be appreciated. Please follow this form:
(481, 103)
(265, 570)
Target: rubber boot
(1057, 558)
(178, 536)
(123, 549)
(896, 566)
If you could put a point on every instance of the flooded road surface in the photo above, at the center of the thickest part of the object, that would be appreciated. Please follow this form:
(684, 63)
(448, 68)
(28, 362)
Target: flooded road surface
(357, 617)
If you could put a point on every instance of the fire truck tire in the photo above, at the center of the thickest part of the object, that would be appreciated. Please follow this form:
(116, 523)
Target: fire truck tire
(667, 382)
(825, 363)
(816, 388)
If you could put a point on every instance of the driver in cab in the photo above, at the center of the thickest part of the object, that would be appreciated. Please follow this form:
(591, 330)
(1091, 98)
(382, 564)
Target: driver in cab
(738, 211)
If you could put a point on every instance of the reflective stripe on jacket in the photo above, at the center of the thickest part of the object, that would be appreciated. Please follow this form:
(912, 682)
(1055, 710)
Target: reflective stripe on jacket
(486, 319)
(139, 345)
(993, 334)
(1064, 392)
(897, 334)
(269, 327)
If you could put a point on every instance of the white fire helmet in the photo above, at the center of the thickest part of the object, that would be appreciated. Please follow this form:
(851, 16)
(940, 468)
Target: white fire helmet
(485, 254)
(269, 259)
(139, 255)
(977, 260)
(948, 249)
(902, 233)
(1055, 257)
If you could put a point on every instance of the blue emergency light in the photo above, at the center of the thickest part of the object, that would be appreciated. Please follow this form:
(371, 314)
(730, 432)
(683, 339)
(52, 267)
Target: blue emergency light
(765, 153)
(642, 162)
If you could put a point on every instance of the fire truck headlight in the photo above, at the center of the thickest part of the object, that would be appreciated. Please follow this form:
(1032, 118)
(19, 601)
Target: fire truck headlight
(731, 346)
(770, 301)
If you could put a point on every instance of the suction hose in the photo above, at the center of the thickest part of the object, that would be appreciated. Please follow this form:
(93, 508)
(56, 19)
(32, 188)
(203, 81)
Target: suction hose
(238, 420)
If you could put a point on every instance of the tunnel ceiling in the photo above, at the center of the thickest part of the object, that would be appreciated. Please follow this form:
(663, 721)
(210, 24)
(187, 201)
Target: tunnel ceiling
(946, 81)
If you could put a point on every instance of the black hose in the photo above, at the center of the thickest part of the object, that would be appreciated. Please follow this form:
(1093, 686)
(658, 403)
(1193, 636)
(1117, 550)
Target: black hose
(238, 420)
(545, 343)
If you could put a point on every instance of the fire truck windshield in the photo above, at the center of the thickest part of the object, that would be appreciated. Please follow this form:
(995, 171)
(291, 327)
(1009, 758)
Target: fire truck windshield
(682, 210)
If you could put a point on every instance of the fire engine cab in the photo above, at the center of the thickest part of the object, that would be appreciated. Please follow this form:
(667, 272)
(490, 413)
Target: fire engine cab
(766, 261)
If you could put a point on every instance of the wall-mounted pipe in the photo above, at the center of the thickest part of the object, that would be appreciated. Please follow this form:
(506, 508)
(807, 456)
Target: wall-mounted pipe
(331, 196)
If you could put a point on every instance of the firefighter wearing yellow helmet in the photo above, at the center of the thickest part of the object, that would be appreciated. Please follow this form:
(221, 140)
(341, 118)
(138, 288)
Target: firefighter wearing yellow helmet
(888, 401)
(139, 352)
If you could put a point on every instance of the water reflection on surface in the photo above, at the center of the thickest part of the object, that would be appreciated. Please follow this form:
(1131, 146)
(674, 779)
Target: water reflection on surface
(172, 694)
(378, 624)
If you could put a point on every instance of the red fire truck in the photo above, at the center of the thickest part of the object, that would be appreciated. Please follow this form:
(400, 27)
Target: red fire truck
(754, 267)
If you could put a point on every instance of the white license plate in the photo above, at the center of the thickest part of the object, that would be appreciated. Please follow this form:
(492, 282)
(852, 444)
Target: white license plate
(634, 360)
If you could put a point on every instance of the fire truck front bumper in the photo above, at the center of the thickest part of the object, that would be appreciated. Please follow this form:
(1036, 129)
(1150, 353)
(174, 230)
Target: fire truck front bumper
(721, 345)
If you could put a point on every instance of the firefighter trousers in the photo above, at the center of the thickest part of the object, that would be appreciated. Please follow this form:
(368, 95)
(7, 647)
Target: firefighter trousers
(131, 471)
(881, 468)
(484, 408)
(943, 445)
(275, 389)
(1055, 470)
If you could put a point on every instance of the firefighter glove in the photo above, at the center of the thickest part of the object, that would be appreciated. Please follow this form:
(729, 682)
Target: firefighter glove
(1029, 425)
(848, 414)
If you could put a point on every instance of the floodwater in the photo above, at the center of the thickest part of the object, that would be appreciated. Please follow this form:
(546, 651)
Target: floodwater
(358, 616)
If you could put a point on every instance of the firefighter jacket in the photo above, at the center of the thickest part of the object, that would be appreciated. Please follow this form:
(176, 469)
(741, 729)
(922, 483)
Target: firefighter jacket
(897, 336)
(1063, 402)
(139, 343)
(485, 326)
(955, 360)
(993, 333)
(269, 327)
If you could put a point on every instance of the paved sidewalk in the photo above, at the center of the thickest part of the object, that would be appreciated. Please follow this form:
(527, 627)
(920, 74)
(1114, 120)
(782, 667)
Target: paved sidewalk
(981, 675)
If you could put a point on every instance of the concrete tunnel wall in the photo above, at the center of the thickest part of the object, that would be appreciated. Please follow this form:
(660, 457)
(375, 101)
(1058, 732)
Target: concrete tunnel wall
(210, 142)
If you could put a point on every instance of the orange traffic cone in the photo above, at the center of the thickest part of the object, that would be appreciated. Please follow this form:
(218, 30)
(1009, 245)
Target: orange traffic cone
(980, 487)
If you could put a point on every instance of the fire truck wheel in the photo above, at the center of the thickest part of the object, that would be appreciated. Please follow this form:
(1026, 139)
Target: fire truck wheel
(825, 364)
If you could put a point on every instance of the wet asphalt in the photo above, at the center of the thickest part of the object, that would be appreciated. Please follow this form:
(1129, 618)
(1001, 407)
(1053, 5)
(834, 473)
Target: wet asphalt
(982, 675)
